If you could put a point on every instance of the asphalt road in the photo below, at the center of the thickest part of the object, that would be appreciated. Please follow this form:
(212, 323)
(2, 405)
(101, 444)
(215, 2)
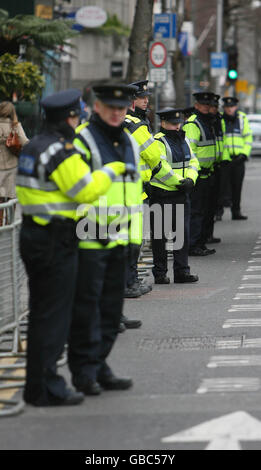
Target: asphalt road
(195, 362)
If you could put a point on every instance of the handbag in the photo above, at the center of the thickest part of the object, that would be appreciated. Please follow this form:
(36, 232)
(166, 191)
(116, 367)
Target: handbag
(13, 142)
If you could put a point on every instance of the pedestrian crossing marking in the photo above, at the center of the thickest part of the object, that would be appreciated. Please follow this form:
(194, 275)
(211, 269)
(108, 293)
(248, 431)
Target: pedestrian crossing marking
(251, 277)
(246, 322)
(245, 307)
(250, 286)
(254, 260)
(253, 268)
(247, 295)
(232, 384)
(234, 361)
(256, 253)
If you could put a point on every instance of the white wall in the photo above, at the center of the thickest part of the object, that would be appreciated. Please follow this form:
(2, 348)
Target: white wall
(94, 53)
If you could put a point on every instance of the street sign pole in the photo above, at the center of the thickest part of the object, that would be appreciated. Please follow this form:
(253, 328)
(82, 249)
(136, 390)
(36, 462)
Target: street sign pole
(156, 104)
(157, 71)
(219, 47)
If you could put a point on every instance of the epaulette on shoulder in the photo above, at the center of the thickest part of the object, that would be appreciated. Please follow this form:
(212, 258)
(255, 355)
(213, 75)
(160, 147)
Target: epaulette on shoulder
(133, 118)
(159, 135)
(81, 127)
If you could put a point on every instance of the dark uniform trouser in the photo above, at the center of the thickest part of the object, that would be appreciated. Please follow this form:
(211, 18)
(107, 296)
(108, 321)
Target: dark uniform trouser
(236, 177)
(50, 255)
(212, 206)
(160, 255)
(199, 204)
(232, 176)
(96, 313)
(132, 268)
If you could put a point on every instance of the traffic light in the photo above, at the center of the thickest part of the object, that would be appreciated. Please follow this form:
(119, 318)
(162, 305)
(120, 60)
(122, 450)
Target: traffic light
(232, 72)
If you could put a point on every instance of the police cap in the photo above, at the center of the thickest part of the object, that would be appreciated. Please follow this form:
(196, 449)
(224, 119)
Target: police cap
(230, 101)
(115, 95)
(188, 111)
(173, 115)
(62, 105)
(204, 97)
(142, 88)
(214, 101)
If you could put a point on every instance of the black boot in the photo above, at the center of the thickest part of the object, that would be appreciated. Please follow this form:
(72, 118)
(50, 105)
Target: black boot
(130, 324)
(162, 280)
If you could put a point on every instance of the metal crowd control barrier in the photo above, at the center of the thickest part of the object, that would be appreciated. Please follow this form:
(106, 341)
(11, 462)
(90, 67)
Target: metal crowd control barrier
(13, 307)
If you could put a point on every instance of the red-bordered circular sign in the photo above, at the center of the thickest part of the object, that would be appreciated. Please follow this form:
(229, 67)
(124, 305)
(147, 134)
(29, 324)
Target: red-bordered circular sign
(158, 54)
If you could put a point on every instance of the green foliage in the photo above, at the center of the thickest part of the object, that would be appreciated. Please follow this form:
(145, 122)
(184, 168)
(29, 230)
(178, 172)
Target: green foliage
(112, 27)
(22, 78)
(37, 34)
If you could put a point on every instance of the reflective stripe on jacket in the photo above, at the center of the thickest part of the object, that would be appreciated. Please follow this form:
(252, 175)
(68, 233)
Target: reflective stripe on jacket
(237, 136)
(53, 179)
(117, 216)
(181, 159)
(202, 142)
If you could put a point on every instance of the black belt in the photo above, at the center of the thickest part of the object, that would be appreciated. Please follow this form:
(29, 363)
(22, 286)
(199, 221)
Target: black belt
(205, 171)
(55, 221)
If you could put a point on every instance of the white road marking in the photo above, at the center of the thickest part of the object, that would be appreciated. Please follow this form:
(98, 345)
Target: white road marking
(224, 432)
(234, 361)
(245, 307)
(250, 286)
(230, 384)
(247, 295)
(239, 322)
(253, 268)
(248, 277)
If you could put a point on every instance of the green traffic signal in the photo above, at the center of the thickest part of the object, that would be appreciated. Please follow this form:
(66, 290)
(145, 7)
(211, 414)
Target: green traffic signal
(232, 74)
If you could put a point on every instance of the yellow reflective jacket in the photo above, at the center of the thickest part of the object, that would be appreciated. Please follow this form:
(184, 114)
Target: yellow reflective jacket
(237, 136)
(202, 142)
(151, 163)
(53, 179)
(115, 218)
(180, 157)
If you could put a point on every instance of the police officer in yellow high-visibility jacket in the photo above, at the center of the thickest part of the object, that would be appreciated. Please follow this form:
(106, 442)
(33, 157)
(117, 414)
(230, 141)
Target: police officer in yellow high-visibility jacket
(237, 149)
(151, 164)
(214, 192)
(112, 224)
(176, 150)
(203, 143)
(53, 179)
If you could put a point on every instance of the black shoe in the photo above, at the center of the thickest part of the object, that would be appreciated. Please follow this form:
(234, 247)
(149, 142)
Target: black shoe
(213, 240)
(90, 387)
(145, 288)
(210, 251)
(115, 383)
(239, 216)
(121, 327)
(185, 277)
(162, 280)
(130, 324)
(142, 287)
(197, 251)
(132, 292)
(71, 398)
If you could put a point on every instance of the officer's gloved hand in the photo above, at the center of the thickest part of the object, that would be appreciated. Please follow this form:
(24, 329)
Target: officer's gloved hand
(186, 185)
(224, 163)
(241, 158)
(130, 170)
